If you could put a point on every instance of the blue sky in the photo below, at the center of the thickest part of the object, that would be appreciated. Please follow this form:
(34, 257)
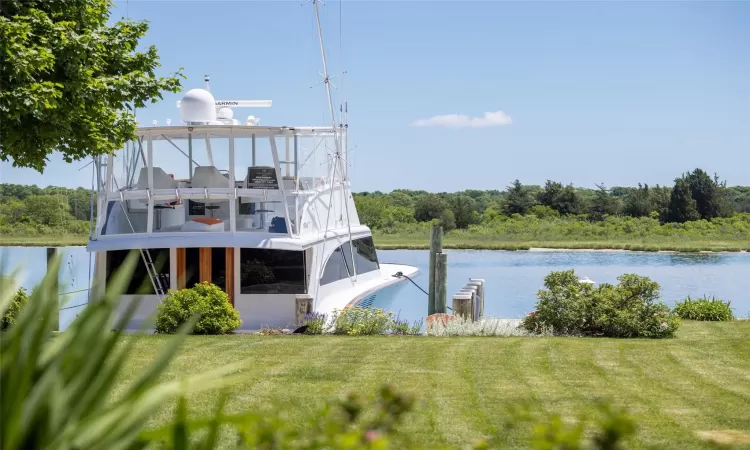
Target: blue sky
(578, 92)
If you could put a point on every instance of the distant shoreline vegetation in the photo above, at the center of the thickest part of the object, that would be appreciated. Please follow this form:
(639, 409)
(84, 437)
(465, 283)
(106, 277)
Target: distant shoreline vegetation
(698, 213)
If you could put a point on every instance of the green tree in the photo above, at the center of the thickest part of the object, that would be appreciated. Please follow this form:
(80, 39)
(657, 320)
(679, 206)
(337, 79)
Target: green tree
(563, 199)
(371, 210)
(80, 203)
(638, 202)
(464, 211)
(660, 198)
(682, 206)
(709, 194)
(603, 204)
(12, 210)
(19, 191)
(447, 220)
(395, 215)
(738, 198)
(397, 198)
(50, 210)
(67, 78)
(519, 199)
(429, 207)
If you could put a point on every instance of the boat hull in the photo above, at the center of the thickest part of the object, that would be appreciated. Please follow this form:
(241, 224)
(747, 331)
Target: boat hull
(382, 298)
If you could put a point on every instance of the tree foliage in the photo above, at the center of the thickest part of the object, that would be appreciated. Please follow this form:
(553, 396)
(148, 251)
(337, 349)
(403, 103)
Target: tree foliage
(464, 211)
(682, 205)
(639, 202)
(24, 212)
(563, 199)
(429, 207)
(30, 210)
(603, 204)
(67, 78)
(519, 199)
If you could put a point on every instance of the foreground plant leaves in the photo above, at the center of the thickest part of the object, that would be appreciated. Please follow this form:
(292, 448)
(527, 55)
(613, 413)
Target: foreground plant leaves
(57, 389)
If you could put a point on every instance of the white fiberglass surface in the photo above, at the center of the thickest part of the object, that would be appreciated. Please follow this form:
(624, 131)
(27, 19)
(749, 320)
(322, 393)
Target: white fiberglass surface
(339, 294)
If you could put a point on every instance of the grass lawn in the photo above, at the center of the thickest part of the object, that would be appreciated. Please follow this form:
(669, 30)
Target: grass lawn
(675, 387)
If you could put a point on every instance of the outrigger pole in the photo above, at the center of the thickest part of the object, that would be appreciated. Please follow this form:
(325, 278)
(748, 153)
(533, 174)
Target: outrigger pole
(337, 140)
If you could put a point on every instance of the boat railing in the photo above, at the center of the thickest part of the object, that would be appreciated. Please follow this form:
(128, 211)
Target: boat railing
(219, 179)
(196, 210)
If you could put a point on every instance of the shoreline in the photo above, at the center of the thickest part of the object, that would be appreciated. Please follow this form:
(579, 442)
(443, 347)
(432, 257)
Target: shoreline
(535, 246)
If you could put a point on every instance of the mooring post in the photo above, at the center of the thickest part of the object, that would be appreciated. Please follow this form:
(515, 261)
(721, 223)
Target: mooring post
(472, 290)
(462, 305)
(436, 246)
(441, 283)
(478, 307)
(303, 304)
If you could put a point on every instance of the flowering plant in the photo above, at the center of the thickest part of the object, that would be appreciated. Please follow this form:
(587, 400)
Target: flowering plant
(315, 322)
(359, 321)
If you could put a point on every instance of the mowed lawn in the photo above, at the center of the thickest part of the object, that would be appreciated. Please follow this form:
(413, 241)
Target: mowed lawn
(699, 381)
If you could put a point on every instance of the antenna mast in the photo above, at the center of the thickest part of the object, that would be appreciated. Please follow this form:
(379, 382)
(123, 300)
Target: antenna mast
(339, 156)
(325, 67)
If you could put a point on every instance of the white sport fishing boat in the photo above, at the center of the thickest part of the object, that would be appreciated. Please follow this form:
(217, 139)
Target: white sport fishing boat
(264, 212)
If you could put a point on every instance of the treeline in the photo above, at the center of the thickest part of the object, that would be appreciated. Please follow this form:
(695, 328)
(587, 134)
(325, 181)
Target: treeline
(694, 196)
(30, 210)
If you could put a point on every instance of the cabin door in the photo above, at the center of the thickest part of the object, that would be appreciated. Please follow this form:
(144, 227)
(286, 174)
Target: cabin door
(215, 265)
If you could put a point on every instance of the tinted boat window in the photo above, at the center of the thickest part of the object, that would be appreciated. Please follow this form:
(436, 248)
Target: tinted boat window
(264, 271)
(337, 266)
(219, 267)
(365, 256)
(192, 266)
(140, 283)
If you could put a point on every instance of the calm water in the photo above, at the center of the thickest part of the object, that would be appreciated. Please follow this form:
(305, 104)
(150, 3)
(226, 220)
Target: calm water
(512, 278)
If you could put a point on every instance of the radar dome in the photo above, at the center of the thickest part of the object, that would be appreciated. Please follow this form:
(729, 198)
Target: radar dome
(198, 106)
(225, 113)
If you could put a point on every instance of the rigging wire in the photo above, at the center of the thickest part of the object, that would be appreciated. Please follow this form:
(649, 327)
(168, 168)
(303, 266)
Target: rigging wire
(337, 139)
(401, 275)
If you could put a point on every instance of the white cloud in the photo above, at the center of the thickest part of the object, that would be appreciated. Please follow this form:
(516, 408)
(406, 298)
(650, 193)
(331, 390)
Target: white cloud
(490, 119)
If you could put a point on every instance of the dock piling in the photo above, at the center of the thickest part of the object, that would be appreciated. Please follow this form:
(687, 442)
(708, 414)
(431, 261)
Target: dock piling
(462, 305)
(436, 247)
(479, 307)
(441, 283)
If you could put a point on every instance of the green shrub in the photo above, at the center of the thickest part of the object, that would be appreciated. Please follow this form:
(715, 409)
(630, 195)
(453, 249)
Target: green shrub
(359, 321)
(217, 315)
(704, 309)
(20, 297)
(628, 309)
